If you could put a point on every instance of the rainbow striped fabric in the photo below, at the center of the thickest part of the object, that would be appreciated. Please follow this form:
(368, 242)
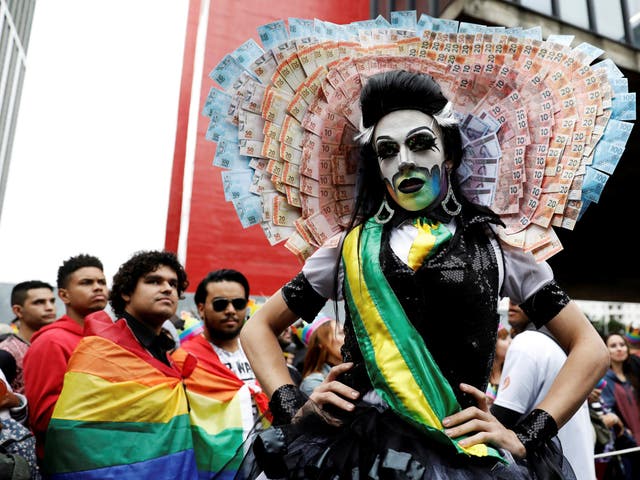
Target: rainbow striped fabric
(400, 366)
(632, 334)
(221, 411)
(193, 326)
(121, 414)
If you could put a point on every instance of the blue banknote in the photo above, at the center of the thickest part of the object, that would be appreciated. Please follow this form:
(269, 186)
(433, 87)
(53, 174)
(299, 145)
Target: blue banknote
(236, 183)
(300, 27)
(273, 34)
(228, 155)
(249, 210)
(593, 184)
(227, 71)
(606, 156)
(247, 53)
(406, 19)
(623, 106)
(424, 23)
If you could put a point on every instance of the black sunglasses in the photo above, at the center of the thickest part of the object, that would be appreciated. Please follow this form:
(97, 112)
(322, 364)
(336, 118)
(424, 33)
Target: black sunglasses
(220, 304)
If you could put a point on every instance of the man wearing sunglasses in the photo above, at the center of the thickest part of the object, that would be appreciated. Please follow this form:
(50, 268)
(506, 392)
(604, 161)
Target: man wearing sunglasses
(221, 299)
(223, 385)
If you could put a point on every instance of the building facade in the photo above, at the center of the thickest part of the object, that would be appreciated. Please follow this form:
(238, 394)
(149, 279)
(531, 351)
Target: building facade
(201, 227)
(15, 28)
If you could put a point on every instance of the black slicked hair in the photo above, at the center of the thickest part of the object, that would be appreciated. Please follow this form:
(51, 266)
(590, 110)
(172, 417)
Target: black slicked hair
(222, 275)
(76, 263)
(143, 262)
(20, 290)
(387, 92)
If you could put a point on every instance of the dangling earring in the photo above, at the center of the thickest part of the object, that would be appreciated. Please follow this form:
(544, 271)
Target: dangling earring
(450, 197)
(384, 207)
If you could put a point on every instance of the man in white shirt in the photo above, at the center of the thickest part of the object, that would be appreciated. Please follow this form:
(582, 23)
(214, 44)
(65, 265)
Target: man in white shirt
(532, 363)
(222, 298)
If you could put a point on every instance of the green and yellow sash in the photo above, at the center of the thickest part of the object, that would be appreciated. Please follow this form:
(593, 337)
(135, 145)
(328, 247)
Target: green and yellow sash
(398, 362)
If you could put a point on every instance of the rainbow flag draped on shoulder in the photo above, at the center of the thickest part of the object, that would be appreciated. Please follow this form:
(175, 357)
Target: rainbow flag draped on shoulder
(221, 411)
(121, 414)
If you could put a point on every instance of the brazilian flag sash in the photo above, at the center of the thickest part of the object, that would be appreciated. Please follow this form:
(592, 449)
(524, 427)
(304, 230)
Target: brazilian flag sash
(397, 360)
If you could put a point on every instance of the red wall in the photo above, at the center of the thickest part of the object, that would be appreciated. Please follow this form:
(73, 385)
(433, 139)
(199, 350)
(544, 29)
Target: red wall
(216, 239)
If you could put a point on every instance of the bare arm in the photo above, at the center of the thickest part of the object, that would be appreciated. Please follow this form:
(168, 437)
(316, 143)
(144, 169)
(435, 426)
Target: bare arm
(259, 338)
(260, 343)
(586, 363)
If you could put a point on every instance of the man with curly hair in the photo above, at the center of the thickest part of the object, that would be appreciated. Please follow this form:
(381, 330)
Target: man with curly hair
(122, 393)
(82, 287)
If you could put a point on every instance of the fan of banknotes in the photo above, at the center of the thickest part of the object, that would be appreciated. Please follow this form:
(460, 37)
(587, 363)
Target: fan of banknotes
(543, 124)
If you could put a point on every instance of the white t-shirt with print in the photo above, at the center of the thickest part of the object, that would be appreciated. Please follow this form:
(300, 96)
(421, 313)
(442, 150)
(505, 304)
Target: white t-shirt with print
(238, 363)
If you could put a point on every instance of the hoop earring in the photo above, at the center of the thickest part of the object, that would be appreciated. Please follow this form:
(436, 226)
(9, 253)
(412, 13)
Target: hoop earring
(450, 197)
(384, 208)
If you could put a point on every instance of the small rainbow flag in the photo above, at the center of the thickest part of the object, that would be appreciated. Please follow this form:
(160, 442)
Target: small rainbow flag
(193, 326)
(221, 411)
(121, 414)
(632, 333)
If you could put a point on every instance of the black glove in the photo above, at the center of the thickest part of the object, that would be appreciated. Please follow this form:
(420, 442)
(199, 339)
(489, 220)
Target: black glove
(285, 402)
(535, 429)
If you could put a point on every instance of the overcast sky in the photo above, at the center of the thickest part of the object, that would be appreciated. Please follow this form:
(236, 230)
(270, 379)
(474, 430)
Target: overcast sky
(91, 162)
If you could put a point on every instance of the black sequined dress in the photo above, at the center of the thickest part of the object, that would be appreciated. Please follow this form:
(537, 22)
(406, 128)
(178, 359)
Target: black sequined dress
(452, 302)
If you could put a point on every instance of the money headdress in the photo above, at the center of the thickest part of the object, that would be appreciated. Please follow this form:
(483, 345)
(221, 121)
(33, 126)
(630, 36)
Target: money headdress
(543, 126)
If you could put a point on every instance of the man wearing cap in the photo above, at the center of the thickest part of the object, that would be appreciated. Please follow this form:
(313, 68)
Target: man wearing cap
(227, 404)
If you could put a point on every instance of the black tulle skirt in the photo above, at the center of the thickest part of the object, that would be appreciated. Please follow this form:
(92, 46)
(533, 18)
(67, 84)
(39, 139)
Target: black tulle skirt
(375, 444)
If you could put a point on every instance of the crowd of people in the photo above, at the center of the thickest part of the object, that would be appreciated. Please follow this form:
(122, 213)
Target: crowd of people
(51, 381)
(381, 392)
(70, 383)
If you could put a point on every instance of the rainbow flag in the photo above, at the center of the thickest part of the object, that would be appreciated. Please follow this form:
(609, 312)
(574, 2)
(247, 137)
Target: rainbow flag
(121, 414)
(221, 411)
(193, 326)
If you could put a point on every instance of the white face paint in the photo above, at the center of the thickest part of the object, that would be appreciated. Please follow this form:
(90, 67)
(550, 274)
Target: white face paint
(411, 158)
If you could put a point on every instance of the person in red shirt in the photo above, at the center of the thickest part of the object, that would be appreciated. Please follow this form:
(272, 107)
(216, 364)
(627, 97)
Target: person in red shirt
(82, 287)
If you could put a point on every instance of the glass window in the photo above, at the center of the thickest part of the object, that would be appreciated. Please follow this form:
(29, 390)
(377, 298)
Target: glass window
(542, 6)
(8, 92)
(634, 19)
(574, 12)
(4, 40)
(608, 17)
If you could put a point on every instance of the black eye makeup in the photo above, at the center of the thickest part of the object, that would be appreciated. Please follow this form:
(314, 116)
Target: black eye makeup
(420, 141)
(417, 140)
(387, 149)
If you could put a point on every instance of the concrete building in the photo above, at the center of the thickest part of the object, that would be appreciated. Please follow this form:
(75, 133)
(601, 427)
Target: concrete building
(15, 28)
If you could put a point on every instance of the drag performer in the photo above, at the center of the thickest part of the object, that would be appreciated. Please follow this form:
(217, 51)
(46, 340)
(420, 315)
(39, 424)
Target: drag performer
(417, 263)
